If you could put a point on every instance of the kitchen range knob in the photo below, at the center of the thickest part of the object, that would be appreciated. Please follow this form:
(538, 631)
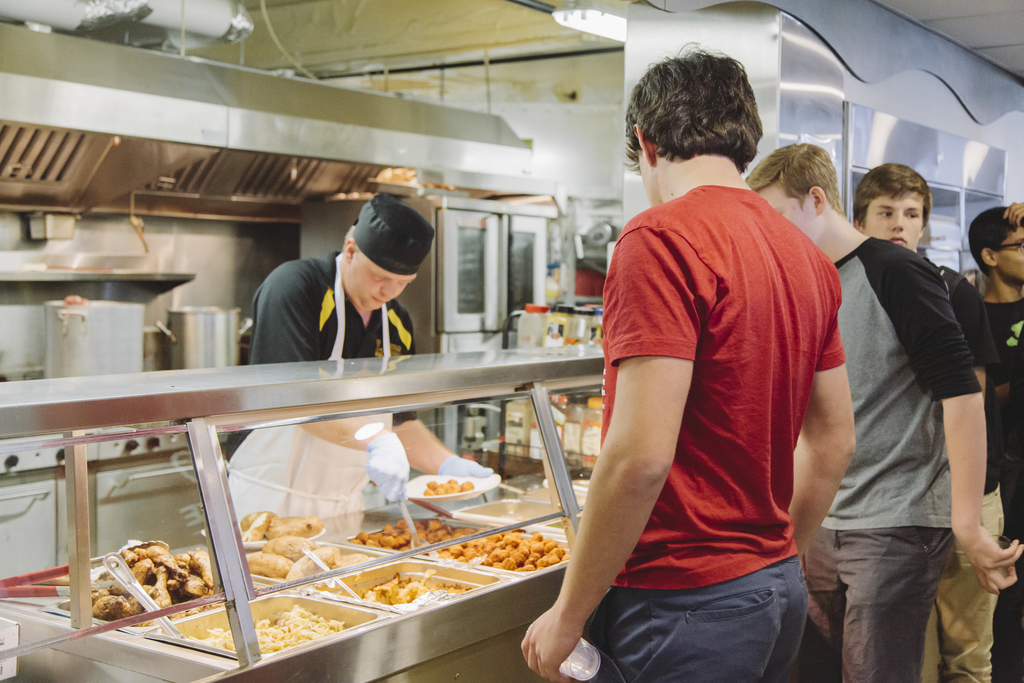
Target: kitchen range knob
(152, 443)
(130, 445)
(11, 462)
(60, 456)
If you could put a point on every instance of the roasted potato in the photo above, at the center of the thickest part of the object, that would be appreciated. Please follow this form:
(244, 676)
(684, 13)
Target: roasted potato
(257, 528)
(303, 527)
(246, 521)
(331, 556)
(289, 546)
(270, 566)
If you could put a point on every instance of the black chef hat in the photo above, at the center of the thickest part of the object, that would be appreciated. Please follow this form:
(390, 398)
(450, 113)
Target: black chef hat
(393, 235)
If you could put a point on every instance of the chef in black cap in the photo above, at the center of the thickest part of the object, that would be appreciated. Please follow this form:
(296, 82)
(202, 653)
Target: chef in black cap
(329, 309)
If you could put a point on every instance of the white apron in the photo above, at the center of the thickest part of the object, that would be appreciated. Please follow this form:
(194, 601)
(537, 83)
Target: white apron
(293, 473)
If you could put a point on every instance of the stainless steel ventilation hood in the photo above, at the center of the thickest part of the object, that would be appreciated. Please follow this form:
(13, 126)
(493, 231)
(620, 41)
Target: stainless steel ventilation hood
(84, 124)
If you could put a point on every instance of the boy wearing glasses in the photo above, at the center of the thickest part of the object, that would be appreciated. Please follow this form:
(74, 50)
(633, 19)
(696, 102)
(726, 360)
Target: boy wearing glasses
(893, 202)
(997, 244)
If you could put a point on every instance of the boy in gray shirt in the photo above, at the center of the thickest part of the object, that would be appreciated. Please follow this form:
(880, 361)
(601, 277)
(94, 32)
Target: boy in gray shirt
(873, 568)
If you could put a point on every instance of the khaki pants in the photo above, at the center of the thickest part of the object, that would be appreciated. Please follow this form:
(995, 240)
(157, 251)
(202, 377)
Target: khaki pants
(958, 642)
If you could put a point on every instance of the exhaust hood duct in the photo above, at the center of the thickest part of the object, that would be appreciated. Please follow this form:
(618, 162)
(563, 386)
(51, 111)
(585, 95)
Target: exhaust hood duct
(206, 21)
(92, 122)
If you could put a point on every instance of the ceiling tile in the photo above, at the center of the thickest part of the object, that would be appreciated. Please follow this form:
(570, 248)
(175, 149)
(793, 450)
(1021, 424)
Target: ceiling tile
(930, 10)
(989, 30)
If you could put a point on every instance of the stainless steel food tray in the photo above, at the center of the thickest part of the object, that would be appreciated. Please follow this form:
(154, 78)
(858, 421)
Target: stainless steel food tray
(431, 574)
(506, 511)
(345, 548)
(356, 619)
(506, 572)
(454, 523)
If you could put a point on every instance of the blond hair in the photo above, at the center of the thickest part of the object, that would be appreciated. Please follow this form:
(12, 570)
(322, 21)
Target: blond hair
(796, 169)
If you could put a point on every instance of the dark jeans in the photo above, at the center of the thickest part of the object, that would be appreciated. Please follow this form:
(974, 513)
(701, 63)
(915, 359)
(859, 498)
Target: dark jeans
(746, 630)
(1007, 632)
(870, 593)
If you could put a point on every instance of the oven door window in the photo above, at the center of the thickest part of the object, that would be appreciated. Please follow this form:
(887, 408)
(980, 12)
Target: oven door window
(471, 254)
(520, 270)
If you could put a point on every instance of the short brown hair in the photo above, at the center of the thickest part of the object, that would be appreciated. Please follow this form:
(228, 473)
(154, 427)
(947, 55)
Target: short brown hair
(695, 104)
(890, 180)
(796, 169)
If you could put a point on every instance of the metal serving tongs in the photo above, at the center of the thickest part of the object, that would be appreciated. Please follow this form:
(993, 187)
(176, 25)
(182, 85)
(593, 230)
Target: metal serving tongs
(334, 583)
(117, 567)
(414, 538)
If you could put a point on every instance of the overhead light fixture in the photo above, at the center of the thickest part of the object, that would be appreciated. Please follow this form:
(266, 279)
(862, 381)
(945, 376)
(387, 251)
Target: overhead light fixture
(591, 16)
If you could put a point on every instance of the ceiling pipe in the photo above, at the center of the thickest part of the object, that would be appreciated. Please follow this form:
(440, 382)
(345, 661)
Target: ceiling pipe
(205, 21)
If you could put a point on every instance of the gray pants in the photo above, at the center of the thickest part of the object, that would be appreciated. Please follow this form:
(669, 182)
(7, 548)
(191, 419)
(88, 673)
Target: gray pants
(869, 596)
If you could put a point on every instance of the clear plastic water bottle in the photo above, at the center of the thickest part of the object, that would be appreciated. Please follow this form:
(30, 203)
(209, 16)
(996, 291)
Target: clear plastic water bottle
(583, 663)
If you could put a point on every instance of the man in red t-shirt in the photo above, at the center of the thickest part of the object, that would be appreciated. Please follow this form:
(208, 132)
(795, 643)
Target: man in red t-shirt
(721, 349)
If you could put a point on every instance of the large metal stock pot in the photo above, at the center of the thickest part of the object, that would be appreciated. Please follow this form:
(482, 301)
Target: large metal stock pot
(93, 338)
(204, 336)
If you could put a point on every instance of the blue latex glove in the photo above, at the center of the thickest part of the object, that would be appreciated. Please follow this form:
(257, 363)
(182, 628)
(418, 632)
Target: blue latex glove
(387, 465)
(460, 467)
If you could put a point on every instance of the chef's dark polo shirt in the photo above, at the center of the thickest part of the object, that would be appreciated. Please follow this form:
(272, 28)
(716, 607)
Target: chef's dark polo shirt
(294, 318)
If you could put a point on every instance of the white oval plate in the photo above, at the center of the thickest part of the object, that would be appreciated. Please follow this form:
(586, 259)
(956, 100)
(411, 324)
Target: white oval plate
(416, 487)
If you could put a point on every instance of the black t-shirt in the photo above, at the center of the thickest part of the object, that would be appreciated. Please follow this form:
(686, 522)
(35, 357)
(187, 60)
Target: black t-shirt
(969, 309)
(1006, 321)
(294, 318)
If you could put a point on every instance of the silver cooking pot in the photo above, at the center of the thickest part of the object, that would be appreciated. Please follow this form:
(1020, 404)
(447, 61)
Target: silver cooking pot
(203, 336)
(97, 338)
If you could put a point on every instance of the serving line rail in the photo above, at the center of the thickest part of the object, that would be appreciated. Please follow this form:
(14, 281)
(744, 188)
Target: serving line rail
(228, 399)
(54, 406)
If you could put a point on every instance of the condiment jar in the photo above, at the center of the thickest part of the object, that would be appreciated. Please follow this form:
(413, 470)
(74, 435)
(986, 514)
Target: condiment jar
(579, 324)
(558, 323)
(532, 326)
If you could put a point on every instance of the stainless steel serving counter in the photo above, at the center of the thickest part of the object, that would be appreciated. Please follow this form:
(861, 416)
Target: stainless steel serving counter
(475, 637)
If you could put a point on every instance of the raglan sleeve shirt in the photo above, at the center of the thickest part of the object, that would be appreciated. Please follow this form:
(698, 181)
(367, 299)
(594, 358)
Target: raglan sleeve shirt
(915, 297)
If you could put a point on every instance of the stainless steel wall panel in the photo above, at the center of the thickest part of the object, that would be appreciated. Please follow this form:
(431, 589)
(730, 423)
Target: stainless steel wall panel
(875, 44)
(940, 157)
(810, 92)
(747, 31)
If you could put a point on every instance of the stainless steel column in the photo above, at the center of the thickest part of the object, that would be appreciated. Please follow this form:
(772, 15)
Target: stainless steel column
(76, 478)
(558, 475)
(225, 538)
